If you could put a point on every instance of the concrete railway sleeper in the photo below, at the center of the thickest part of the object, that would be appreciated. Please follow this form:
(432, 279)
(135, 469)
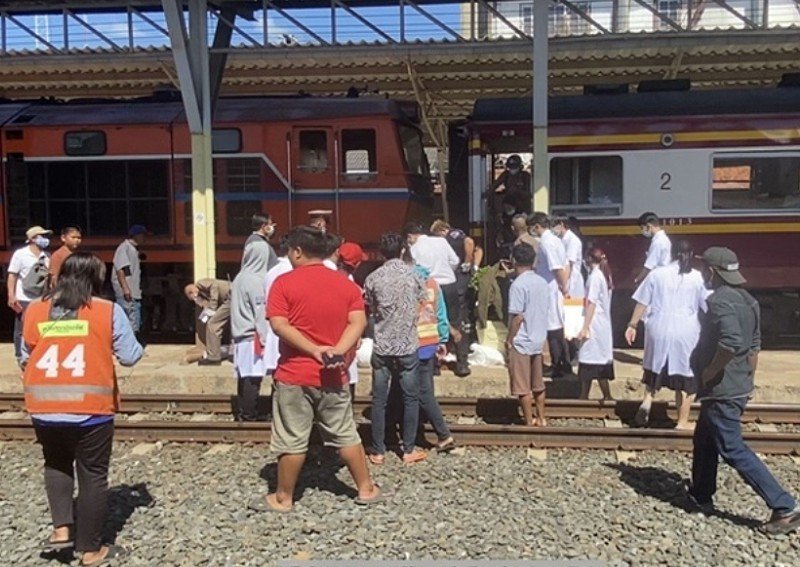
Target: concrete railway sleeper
(467, 435)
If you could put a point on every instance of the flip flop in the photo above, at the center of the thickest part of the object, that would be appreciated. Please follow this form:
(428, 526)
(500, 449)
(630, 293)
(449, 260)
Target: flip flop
(385, 494)
(114, 552)
(47, 543)
(376, 459)
(260, 504)
(447, 446)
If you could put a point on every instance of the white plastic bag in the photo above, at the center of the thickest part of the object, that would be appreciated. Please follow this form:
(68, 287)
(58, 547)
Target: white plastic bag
(364, 353)
(482, 355)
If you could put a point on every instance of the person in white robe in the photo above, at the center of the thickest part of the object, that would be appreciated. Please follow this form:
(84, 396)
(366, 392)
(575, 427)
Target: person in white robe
(673, 297)
(596, 354)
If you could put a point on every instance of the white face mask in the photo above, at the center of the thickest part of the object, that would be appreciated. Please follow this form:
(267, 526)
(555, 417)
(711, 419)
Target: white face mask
(647, 233)
(509, 211)
(270, 230)
(41, 242)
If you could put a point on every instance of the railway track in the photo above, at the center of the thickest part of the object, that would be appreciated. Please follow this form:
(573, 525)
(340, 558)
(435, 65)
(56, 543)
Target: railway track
(486, 435)
(488, 409)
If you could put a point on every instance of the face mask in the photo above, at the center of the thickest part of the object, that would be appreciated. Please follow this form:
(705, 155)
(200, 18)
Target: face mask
(513, 170)
(509, 211)
(270, 231)
(41, 242)
(646, 233)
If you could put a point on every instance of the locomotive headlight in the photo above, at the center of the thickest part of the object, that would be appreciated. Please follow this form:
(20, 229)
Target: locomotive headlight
(667, 140)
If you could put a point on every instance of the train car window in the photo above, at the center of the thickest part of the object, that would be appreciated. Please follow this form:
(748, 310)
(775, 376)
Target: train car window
(226, 140)
(241, 175)
(85, 143)
(586, 185)
(761, 181)
(239, 215)
(359, 154)
(313, 150)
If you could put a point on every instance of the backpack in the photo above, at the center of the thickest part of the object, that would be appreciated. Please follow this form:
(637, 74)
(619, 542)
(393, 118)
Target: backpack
(35, 283)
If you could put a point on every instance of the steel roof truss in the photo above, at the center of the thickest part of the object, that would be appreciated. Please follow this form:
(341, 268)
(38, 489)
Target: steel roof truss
(582, 14)
(369, 24)
(295, 21)
(91, 29)
(663, 17)
(497, 14)
(26, 29)
(434, 19)
(727, 7)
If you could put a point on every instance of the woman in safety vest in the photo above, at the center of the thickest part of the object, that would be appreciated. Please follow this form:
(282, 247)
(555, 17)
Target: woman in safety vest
(71, 338)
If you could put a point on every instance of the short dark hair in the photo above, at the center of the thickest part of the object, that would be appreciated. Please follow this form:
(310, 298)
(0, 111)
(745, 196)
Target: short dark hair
(559, 221)
(649, 218)
(539, 218)
(523, 254)
(73, 228)
(283, 246)
(312, 241)
(259, 220)
(391, 245)
(414, 227)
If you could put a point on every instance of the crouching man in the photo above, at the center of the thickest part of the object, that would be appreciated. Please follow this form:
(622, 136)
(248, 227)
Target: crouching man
(318, 316)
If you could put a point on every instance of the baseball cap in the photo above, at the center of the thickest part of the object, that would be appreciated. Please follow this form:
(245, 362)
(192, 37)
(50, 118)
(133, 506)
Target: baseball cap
(351, 254)
(725, 263)
(35, 231)
(137, 229)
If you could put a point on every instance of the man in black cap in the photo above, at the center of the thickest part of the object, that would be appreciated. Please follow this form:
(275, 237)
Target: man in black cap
(725, 360)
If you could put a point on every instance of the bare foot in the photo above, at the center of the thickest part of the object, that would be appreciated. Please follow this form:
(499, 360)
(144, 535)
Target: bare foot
(272, 502)
(685, 426)
(540, 422)
(370, 494)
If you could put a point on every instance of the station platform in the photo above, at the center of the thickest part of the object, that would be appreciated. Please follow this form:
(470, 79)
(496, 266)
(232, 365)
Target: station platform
(160, 372)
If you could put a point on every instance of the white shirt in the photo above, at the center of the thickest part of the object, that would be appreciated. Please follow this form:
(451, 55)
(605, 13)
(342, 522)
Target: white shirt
(21, 263)
(598, 348)
(660, 251)
(550, 257)
(271, 347)
(529, 297)
(437, 256)
(574, 249)
(672, 328)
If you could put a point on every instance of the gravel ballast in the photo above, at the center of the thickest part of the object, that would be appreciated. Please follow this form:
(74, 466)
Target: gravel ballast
(182, 504)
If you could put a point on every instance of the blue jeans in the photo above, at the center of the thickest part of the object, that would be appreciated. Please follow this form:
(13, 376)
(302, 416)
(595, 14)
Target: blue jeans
(718, 433)
(385, 370)
(427, 399)
(18, 330)
(133, 309)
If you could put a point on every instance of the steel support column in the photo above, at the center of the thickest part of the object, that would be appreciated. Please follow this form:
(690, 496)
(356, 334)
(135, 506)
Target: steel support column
(541, 163)
(192, 64)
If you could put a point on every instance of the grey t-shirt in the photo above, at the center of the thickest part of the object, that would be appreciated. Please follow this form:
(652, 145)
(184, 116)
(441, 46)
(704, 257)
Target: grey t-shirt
(126, 258)
(529, 296)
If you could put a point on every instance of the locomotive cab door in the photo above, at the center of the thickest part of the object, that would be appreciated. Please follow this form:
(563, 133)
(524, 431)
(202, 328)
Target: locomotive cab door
(314, 171)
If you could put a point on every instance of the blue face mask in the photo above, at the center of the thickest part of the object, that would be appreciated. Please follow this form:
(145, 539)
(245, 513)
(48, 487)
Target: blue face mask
(41, 242)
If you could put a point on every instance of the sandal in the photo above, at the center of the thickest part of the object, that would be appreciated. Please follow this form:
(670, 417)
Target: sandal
(415, 456)
(114, 552)
(50, 544)
(384, 493)
(446, 446)
(376, 459)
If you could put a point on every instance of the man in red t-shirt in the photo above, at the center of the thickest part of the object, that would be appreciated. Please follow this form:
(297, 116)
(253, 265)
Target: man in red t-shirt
(318, 315)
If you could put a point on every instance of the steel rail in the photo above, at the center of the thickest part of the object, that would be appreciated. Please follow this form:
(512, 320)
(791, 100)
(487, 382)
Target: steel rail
(467, 435)
(489, 409)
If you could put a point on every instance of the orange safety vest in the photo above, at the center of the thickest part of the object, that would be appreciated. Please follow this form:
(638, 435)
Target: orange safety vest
(71, 364)
(428, 321)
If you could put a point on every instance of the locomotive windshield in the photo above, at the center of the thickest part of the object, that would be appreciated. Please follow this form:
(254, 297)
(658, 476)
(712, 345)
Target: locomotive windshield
(416, 161)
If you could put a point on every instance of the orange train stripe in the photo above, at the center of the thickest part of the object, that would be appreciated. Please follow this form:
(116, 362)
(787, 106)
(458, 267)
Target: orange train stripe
(698, 228)
(783, 135)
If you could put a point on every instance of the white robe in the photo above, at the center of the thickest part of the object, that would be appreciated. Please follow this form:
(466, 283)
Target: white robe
(574, 249)
(672, 328)
(552, 256)
(599, 347)
(271, 354)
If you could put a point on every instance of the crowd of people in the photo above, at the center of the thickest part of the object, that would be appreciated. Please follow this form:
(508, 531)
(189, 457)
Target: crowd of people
(702, 338)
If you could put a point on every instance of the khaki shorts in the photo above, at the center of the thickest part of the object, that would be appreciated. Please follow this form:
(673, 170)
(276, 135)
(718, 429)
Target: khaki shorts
(295, 409)
(525, 373)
